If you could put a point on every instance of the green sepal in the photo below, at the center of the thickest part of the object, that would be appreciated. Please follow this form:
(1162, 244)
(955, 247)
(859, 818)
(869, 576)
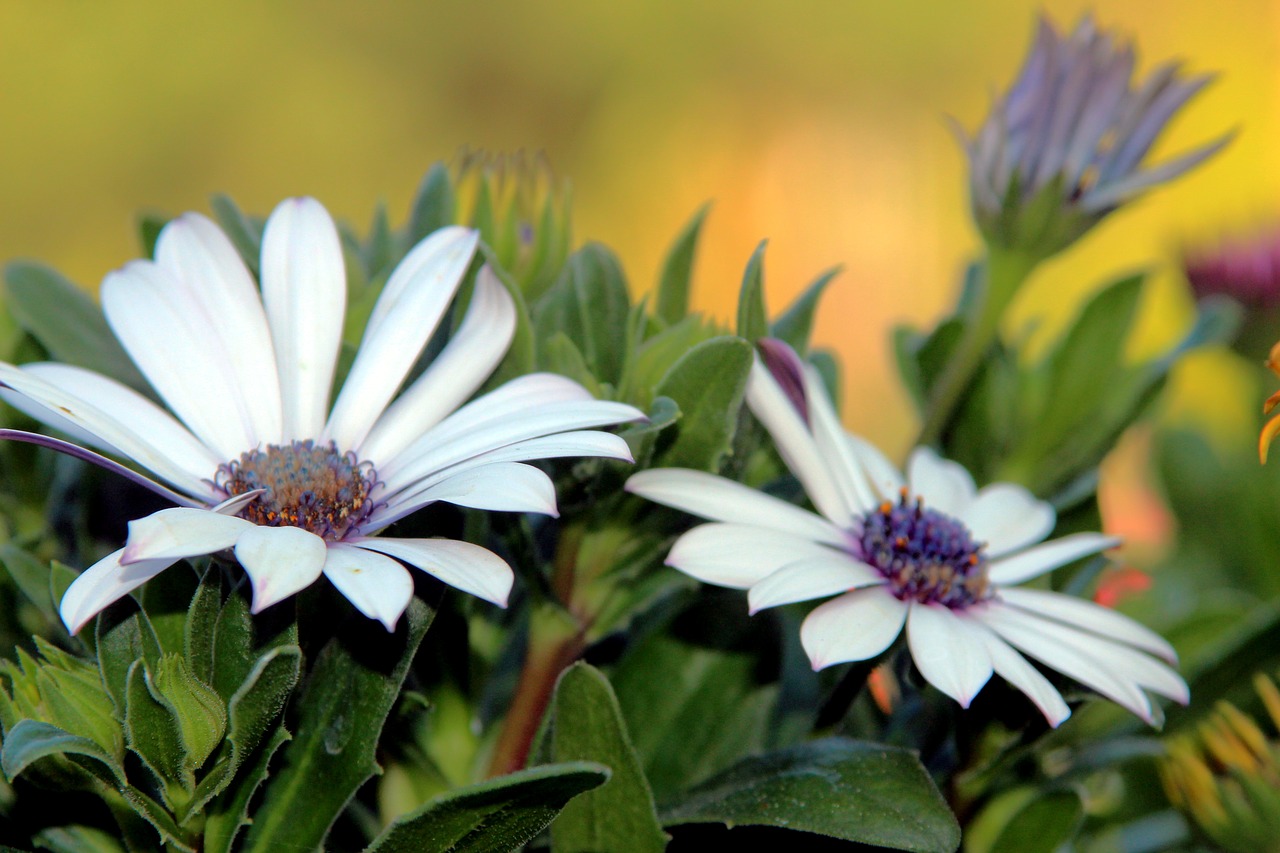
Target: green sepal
(244, 233)
(78, 839)
(197, 710)
(854, 790)
(590, 304)
(433, 207)
(795, 325)
(200, 627)
(32, 578)
(152, 732)
(587, 725)
(500, 814)
(753, 321)
(561, 355)
(677, 271)
(651, 360)
(707, 384)
(149, 227)
(66, 321)
(123, 636)
(1026, 819)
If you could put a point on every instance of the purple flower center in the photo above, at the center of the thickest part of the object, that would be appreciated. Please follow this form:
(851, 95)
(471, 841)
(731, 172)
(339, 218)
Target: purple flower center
(308, 485)
(925, 555)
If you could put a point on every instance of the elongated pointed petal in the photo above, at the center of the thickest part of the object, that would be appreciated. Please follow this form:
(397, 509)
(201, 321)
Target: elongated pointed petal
(172, 534)
(406, 315)
(304, 292)
(1032, 563)
(946, 653)
(375, 584)
(461, 565)
(1090, 617)
(102, 584)
(1015, 669)
(203, 261)
(500, 486)
(1008, 518)
(162, 328)
(718, 499)
(467, 360)
(795, 444)
(739, 555)
(881, 473)
(280, 561)
(810, 577)
(856, 626)
(833, 445)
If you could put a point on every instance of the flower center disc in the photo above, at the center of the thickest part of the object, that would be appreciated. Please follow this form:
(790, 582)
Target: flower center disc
(925, 555)
(308, 485)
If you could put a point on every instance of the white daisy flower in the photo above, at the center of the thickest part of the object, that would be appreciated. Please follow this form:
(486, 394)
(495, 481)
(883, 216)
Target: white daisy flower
(927, 551)
(256, 459)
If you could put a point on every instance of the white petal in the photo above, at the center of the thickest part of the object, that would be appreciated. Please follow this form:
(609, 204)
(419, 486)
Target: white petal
(1034, 562)
(279, 561)
(719, 499)
(1089, 669)
(404, 318)
(203, 260)
(1015, 669)
(143, 418)
(1008, 518)
(435, 454)
(471, 355)
(182, 532)
(585, 443)
(856, 626)
(511, 400)
(812, 577)
(461, 565)
(739, 555)
(501, 486)
(377, 585)
(103, 583)
(881, 473)
(1090, 617)
(795, 445)
(833, 445)
(946, 653)
(163, 329)
(304, 292)
(945, 485)
(114, 433)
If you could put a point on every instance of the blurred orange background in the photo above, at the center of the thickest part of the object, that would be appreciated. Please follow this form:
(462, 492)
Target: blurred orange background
(817, 124)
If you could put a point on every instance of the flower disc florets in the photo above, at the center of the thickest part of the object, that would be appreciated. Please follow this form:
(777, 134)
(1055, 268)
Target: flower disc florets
(926, 556)
(306, 484)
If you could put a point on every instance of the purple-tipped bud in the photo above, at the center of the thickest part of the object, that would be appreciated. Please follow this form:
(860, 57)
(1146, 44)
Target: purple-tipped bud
(787, 370)
(1246, 268)
(1065, 145)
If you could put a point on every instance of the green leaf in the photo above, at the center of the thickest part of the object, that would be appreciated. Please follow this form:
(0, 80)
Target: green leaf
(77, 839)
(244, 234)
(31, 740)
(149, 227)
(690, 711)
(560, 355)
(230, 812)
(66, 321)
(196, 708)
(434, 207)
(32, 577)
(707, 385)
(602, 305)
(200, 626)
(677, 271)
(522, 353)
(500, 814)
(848, 789)
(753, 321)
(354, 681)
(1026, 820)
(796, 323)
(123, 635)
(587, 725)
(151, 730)
(653, 359)
(641, 437)
(1083, 363)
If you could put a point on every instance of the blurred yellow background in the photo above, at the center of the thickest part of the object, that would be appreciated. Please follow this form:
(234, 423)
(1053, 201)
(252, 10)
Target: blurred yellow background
(815, 123)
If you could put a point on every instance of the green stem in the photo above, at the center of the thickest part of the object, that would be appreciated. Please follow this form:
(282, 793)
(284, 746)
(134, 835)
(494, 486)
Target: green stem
(1004, 271)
